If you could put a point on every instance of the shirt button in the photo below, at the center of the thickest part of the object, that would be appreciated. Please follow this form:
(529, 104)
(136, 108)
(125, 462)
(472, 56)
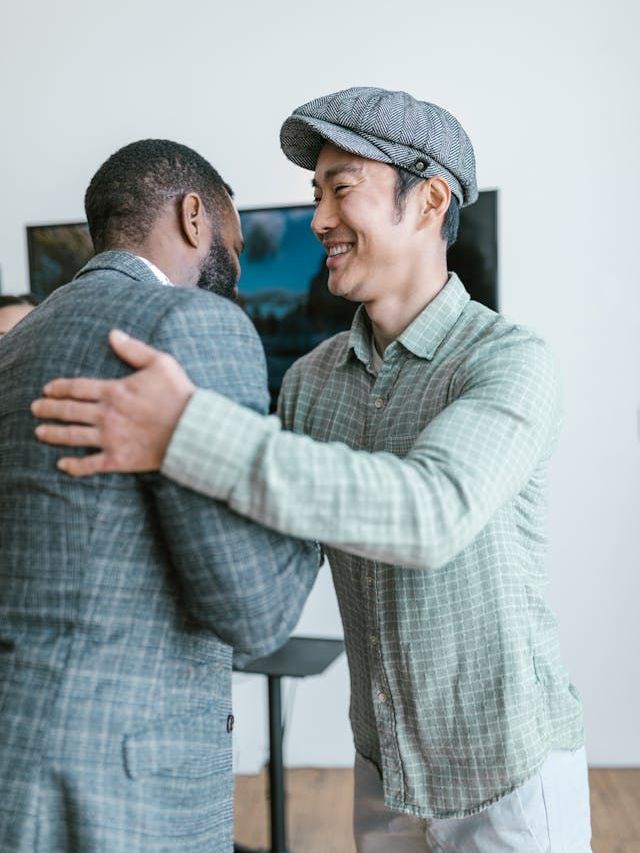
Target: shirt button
(369, 580)
(230, 722)
(378, 402)
(373, 640)
(382, 697)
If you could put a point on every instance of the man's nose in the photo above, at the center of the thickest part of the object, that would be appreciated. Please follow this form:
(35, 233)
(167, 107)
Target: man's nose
(325, 217)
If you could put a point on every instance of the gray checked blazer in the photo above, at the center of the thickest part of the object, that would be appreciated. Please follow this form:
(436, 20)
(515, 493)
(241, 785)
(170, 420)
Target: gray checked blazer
(122, 598)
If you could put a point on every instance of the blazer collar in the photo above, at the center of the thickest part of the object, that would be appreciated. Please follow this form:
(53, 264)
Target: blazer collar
(122, 262)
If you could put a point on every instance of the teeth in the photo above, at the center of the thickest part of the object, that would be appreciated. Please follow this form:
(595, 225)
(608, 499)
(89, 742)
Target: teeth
(339, 250)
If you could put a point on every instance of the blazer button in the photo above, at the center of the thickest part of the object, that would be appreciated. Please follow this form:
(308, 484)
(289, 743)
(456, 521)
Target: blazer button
(230, 722)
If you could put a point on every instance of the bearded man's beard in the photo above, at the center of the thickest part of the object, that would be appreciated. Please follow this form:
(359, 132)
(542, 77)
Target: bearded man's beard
(218, 273)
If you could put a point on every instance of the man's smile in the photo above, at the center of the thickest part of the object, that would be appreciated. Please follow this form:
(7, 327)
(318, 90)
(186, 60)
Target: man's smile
(337, 252)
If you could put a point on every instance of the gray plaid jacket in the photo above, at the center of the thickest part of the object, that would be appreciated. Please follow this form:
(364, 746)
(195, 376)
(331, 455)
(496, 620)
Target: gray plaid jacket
(122, 598)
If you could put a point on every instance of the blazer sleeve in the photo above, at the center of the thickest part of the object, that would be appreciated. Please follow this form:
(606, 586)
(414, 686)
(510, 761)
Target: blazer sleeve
(245, 583)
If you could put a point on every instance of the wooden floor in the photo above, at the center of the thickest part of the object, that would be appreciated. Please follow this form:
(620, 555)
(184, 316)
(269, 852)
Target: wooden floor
(319, 804)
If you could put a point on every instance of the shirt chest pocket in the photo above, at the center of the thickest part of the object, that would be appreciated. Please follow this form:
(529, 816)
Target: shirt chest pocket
(399, 445)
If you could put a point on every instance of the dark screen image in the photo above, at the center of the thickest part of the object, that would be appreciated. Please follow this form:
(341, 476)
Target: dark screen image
(56, 253)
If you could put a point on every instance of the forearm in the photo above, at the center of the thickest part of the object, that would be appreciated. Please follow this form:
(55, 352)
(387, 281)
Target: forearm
(373, 505)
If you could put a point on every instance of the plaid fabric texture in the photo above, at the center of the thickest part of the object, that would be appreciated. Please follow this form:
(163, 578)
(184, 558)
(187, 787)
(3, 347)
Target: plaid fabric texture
(436, 540)
(123, 597)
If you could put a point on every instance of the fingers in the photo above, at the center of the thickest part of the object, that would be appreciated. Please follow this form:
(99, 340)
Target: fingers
(83, 466)
(66, 410)
(131, 350)
(77, 388)
(69, 436)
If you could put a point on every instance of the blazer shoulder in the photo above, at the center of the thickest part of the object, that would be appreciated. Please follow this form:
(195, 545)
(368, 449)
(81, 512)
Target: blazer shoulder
(217, 345)
(198, 306)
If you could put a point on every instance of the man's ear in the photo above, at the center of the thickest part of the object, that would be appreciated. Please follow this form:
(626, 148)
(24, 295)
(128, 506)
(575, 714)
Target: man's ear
(192, 218)
(435, 198)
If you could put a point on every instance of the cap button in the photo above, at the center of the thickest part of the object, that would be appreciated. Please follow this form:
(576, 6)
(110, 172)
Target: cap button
(420, 165)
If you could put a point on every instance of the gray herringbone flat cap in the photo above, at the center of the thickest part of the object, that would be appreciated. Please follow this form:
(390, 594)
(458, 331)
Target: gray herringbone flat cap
(388, 126)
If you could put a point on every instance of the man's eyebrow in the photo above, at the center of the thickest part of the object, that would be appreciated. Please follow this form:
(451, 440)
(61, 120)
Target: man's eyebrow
(338, 170)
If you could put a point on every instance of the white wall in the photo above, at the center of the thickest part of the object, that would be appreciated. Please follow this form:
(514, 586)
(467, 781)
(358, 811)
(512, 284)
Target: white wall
(549, 94)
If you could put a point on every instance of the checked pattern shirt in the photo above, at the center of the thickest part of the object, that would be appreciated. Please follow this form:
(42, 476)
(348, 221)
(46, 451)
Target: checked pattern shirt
(427, 484)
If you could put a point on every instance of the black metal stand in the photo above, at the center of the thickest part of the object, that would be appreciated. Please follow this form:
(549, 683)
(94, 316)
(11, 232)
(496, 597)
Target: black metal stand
(299, 657)
(276, 768)
(276, 774)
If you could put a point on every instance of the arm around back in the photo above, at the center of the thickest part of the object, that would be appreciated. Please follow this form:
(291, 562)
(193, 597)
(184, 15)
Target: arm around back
(419, 511)
(245, 583)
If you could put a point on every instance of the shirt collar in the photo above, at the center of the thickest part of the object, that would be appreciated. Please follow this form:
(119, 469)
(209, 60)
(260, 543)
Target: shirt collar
(162, 278)
(424, 335)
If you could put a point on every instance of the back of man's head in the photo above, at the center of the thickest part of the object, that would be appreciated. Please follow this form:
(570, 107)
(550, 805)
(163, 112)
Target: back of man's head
(135, 184)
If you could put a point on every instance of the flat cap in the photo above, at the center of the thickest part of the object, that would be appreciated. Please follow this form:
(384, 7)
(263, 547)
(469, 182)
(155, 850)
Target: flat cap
(391, 127)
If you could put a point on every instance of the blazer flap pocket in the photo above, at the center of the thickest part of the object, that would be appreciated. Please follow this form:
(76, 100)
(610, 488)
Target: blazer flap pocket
(187, 745)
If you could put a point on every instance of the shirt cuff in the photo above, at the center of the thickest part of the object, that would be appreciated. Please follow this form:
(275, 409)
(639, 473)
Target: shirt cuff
(214, 444)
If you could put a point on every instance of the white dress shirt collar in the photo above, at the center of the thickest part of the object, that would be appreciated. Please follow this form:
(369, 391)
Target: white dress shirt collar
(162, 278)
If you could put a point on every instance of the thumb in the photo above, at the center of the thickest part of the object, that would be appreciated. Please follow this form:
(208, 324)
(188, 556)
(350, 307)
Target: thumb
(134, 352)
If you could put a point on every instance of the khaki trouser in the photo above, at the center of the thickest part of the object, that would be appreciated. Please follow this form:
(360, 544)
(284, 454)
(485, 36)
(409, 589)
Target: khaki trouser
(548, 814)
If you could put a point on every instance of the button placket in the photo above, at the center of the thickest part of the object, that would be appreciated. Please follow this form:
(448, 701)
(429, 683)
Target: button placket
(385, 381)
(374, 422)
(382, 700)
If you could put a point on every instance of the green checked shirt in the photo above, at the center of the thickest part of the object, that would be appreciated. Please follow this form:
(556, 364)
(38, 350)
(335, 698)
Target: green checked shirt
(427, 484)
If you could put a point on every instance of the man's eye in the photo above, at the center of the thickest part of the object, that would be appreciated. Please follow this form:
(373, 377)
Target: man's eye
(341, 187)
(316, 199)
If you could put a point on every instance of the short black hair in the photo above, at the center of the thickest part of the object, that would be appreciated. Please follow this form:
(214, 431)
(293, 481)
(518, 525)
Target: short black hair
(405, 182)
(130, 189)
(8, 300)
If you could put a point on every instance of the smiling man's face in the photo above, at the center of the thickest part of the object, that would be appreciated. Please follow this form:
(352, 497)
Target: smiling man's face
(370, 247)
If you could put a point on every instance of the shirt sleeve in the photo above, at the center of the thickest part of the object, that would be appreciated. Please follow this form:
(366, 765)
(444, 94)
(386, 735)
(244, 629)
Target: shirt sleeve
(419, 511)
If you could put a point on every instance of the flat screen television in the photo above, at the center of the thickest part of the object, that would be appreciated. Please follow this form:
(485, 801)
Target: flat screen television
(283, 286)
(56, 253)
